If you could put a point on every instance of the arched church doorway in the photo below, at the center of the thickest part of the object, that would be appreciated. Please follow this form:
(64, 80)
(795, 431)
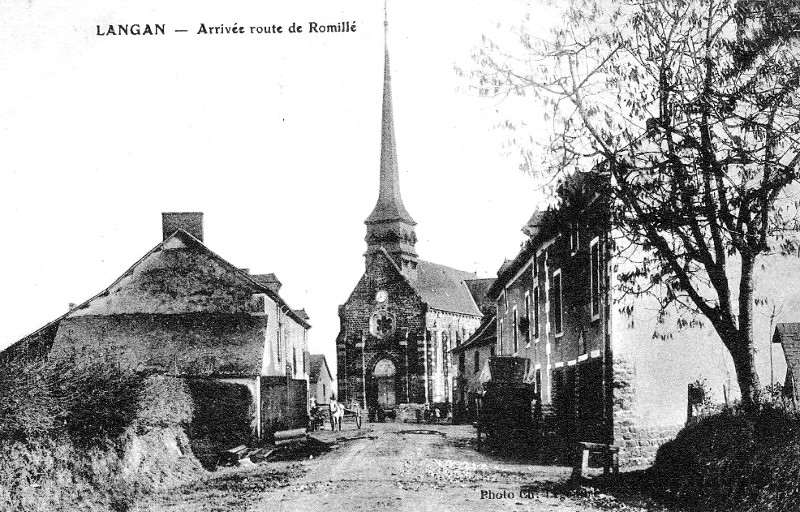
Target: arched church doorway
(384, 374)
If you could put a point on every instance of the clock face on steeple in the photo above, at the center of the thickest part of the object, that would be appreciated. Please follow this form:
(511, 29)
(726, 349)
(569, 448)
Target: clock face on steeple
(381, 296)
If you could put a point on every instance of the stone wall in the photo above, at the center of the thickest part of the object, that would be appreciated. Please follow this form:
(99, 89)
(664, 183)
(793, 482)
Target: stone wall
(283, 404)
(445, 331)
(637, 440)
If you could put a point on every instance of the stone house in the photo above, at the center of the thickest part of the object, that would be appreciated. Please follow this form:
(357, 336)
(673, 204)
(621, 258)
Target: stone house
(320, 380)
(600, 373)
(470, 360)
(184, 311)
(404, 315)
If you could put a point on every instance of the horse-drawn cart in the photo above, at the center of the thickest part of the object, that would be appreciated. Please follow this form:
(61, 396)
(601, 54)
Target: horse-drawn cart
(353, 410)
(339, 411)
(505, 414)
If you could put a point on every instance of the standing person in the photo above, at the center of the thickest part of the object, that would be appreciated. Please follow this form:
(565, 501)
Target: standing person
(337, 411)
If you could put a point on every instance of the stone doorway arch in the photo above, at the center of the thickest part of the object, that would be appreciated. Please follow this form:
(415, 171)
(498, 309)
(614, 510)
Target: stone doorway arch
(384, 373)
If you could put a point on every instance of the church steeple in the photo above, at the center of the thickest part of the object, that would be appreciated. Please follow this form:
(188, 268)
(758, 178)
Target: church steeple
(389, 225)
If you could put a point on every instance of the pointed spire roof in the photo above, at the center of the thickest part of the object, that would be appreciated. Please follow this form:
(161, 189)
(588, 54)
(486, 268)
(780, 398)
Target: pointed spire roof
(390, 204)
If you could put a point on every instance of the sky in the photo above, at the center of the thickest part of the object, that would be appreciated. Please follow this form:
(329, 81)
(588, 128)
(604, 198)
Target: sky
(275, 137)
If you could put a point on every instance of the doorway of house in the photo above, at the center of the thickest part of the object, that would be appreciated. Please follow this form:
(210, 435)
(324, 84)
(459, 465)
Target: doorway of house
(385, 376)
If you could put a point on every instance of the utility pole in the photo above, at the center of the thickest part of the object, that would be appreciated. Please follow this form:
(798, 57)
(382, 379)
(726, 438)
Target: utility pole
(408, 399)
(425, 360)
(345, 376)
(363, 369)
(769, 340)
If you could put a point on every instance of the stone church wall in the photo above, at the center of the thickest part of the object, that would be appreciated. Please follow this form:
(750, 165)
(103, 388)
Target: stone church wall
(402, 346)
(445, 332)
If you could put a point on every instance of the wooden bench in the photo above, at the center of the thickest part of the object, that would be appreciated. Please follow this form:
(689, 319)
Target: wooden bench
(609, 453)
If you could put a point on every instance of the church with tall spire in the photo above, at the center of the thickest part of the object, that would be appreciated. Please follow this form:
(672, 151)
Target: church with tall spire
(389, 226)
(405, 314)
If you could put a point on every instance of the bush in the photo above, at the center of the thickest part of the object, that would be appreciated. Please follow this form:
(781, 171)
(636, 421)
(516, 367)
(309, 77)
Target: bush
(104, 438)
(26, 407)
(733, 461)
(91, 402)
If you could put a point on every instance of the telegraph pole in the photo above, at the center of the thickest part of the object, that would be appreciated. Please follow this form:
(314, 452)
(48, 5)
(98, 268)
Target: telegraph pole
(363, 369)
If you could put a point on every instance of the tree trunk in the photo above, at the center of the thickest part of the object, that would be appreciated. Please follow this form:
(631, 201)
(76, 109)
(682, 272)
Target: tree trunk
(743, 348)
(746, 375)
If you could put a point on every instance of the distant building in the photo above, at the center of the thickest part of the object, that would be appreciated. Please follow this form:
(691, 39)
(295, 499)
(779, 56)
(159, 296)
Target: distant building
(321, 385)
(600, 374)
(470, 361)
(405, 314)
(184, 311)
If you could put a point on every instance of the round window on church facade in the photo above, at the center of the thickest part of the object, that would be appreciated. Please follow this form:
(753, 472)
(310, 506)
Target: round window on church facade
(381, 324)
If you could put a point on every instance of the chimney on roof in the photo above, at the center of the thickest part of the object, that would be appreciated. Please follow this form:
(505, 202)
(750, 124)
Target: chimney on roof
(191, 222)
(267, 280)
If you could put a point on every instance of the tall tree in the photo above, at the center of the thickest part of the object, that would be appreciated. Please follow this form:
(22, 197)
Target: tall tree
(688, 113)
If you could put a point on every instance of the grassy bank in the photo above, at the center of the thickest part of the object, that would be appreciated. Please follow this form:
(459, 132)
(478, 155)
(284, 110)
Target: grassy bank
(95, 437)
(733, 461)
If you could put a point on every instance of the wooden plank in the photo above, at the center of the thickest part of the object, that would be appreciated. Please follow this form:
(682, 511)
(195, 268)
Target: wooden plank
(261, 454)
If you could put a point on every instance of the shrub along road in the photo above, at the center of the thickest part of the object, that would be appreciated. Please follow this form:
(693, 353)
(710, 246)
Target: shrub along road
(393, 466)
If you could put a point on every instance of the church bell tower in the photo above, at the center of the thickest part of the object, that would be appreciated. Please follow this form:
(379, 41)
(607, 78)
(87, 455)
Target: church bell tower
(389, 225)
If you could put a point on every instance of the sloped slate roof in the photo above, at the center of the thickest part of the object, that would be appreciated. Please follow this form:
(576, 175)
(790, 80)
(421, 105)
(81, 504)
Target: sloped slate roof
(788, 331)
(317, 361)
(534, 224)
(444, 288)
(486, 334)
(479, 288)
(180, 275)
(268, 280)
(788, 335)
(301, 313)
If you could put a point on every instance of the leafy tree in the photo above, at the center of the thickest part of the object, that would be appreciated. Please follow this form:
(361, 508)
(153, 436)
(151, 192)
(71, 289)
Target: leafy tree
(687, 113)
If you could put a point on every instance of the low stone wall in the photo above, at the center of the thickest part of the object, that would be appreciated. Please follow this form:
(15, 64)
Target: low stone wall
(638, 445)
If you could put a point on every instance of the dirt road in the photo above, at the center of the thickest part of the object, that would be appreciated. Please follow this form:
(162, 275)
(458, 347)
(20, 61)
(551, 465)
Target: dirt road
(392, 466)
(423, 467)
